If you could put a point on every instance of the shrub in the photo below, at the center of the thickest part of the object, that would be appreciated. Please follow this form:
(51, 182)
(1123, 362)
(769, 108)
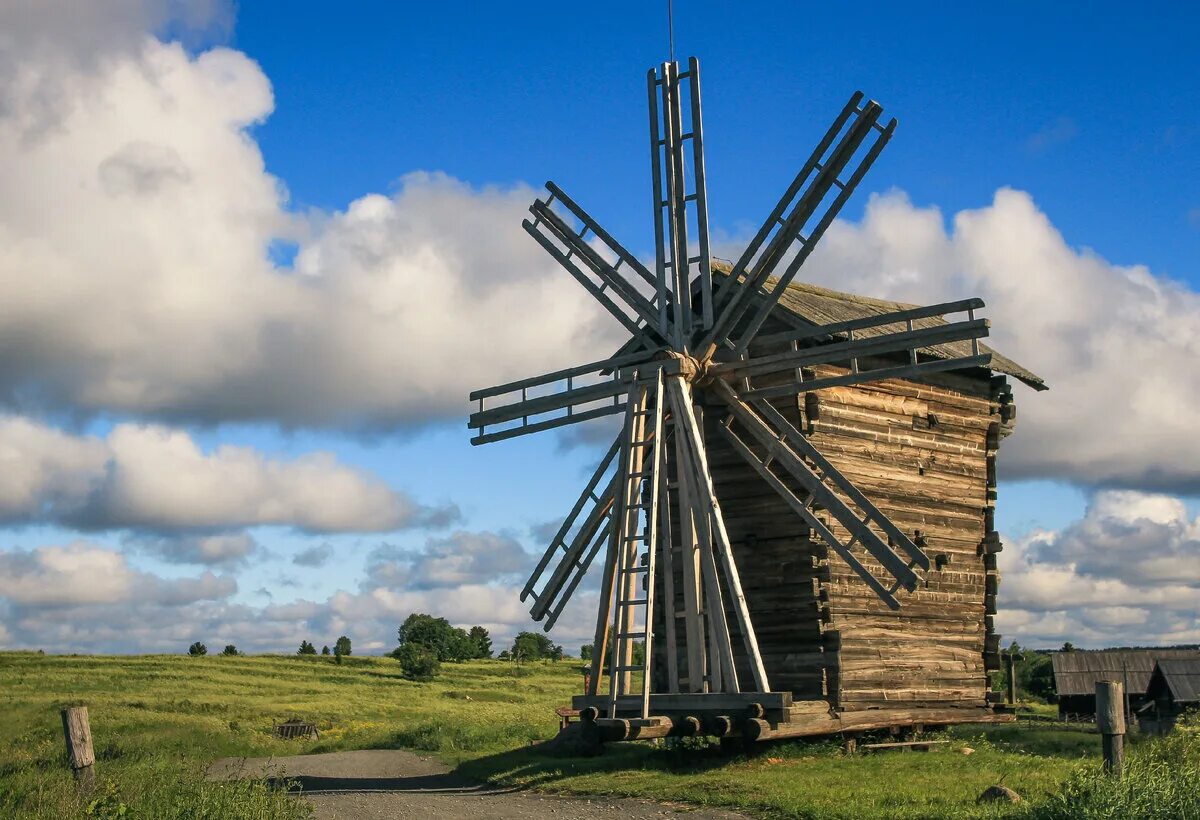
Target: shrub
(417, 662)
(230, 649)
(341, 646)
(197, 649)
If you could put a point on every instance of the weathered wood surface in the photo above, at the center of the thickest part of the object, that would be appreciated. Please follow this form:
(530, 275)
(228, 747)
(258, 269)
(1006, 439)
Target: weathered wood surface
(924, 454)
(1110, 720)
(77, 732)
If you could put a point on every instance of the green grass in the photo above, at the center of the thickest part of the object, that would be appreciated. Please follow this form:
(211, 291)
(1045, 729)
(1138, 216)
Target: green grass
(158, 720)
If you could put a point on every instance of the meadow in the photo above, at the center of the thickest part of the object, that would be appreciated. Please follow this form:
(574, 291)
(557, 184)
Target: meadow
(158, 721)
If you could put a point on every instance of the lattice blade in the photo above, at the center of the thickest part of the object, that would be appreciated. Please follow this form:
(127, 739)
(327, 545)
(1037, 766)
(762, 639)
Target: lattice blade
(575, 394)
(679, 214)
(749, 294)
(788, 447)
(585, 527)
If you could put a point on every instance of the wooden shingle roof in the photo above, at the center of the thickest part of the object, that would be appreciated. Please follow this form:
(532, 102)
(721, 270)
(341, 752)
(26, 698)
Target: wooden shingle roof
(1181, 676)
(1076, 672)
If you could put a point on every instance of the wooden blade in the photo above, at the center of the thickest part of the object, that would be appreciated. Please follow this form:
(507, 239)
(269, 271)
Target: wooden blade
(557, 391)
(749, 290)
(908, 340)
(610, 278)
(785, 445)
(907, 371)
(681, 406)
(577, 554)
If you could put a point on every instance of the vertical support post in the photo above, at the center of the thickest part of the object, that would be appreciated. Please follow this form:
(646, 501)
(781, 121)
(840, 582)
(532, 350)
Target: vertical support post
(1110, 720)
(1011, 660)
(78, 734)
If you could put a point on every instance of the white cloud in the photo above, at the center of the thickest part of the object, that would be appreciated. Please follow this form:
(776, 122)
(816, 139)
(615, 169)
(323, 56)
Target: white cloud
(82, 573)
(1127, 573)
(459, 559)
(1115, 343)
(155, 478)
(136, 278)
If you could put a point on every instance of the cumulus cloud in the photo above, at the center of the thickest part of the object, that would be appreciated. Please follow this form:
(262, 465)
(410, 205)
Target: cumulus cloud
(1115, 343)
(81, 573)
(158, 296)
(458, 559)
(155, 478)
(1128, 572)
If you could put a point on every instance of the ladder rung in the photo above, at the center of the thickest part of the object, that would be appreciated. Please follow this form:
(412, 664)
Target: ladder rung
(641, 473)
(632, 570)
(629, 669)
(632, 603)
(630, 635)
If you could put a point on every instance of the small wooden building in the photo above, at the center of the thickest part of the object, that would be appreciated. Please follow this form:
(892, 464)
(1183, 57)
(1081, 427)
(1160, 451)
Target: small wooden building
(1076, 673)
(1174, 688)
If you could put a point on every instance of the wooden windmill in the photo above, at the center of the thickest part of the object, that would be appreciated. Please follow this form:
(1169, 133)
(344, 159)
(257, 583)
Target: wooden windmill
(714, 385)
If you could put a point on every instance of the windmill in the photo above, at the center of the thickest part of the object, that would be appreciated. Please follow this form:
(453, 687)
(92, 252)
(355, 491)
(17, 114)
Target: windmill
(708, 361)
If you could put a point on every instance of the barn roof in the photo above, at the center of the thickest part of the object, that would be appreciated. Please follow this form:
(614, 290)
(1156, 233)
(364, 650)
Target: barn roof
(1076, 672)
(1181, 676)
(820, 306)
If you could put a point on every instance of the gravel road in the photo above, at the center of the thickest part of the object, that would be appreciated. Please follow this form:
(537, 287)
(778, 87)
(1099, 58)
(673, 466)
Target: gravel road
(377, 784)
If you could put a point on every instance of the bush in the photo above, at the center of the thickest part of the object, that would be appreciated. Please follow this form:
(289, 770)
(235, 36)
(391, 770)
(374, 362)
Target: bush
(230, 649)
(197, 649)
(417, 662)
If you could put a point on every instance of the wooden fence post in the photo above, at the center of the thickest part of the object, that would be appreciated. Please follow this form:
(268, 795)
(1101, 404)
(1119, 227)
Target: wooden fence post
(1011, 658)
(78, 734)
(1110, 720)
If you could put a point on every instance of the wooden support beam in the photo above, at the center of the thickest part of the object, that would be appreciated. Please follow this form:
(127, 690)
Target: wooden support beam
(682, 406)
(1110, 720)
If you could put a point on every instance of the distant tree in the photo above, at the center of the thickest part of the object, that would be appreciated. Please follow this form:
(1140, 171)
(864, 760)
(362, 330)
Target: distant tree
(482, 641)
(445, 641)
(504, 655)
(417, 662)
(534, 646)
(342, 646)
(325, 650)
(230, 649)
(1068, 647)
(585, 652)
(306, 648)
(197, 649)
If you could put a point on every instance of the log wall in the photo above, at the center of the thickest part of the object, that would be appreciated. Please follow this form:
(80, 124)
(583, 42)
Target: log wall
(924, 453)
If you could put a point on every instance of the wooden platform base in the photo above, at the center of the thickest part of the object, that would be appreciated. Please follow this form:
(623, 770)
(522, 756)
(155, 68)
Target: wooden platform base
(755, 716)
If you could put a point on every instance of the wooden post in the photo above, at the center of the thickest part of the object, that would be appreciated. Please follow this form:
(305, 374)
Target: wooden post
(1011, 658)
(1110, 720)
(78, 734)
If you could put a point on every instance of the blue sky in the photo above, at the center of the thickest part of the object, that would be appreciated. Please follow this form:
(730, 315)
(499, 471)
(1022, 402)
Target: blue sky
(1087, 113)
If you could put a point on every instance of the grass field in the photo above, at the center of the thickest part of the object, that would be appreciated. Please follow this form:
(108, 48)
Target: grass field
(158, 720)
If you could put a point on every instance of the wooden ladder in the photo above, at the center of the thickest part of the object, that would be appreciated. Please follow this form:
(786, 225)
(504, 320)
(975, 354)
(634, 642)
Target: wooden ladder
(636, 539)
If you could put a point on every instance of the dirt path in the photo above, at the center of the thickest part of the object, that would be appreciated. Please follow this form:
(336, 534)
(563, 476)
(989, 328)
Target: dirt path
(381, 784)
